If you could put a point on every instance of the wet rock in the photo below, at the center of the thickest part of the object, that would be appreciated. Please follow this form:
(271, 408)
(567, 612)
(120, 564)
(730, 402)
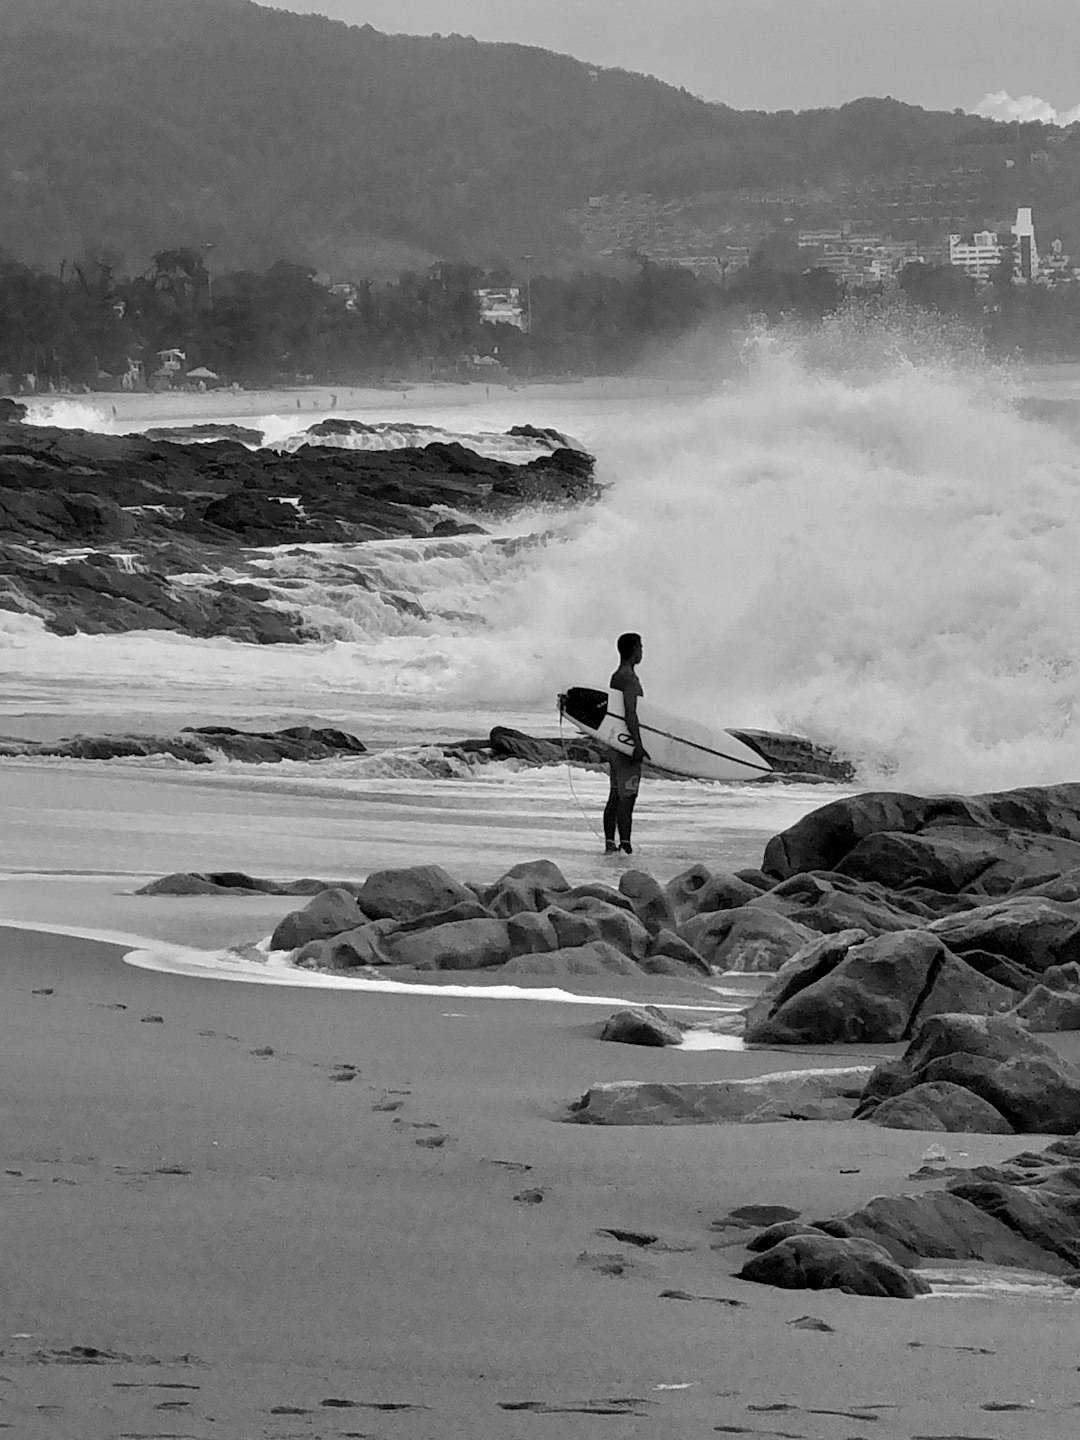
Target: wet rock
(407, 893)
(228, 882)
(746, 939)
(796, 755)
(352, 950)
(943, 1225)
(1030, 930)
(507, 744)
(698, 891)
(847, 988)
(780, 1230)
(1040, 1216)
(641, 1025)
(941, 1105)
(787, 1095)
(958, 988)
(996, 1058)
(530, 886)
(1043, 1010)
(201, 745)
(609, 923)
(461, 945)
(595, 958)
(329, 913)
(1012, 819)
(668, 946)
(822, 1262)
(651, 903)
(532, 934)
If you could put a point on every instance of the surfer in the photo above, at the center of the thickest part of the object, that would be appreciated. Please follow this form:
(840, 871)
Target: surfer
(625, 769)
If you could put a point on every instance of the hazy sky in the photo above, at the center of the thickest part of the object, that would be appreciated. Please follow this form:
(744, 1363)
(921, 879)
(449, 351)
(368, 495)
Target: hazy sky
(779, 54)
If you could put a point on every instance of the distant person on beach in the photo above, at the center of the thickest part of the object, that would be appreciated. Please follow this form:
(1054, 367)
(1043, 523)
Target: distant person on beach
(625, 769)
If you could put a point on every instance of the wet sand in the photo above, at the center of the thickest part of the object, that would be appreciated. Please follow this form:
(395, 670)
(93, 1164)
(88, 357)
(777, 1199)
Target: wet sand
(302, 1239)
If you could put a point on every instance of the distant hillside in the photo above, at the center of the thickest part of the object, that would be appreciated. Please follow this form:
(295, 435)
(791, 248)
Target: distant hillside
(140, 124)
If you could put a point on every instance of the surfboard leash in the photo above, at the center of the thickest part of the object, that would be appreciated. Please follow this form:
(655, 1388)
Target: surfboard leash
(570, 780)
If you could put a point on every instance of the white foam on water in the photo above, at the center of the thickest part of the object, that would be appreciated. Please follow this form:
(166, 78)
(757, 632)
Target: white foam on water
(874, 550)
(976, 1280)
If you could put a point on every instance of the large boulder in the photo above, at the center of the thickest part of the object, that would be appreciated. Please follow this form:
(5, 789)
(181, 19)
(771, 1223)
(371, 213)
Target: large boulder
(1043, 1010)
(745, 939)
(997, 1059)
(594, 958)
(330, 913)
(618, 927)
(954, 858)
(651, 903)
(641, 1025)
(698, 890)
(958, 988)
(461, 945)
(352, 950)
(667, 946)
(846, 988)
(828, 902)
(786, 1095)
(941, 1105)
(812, 1261)
(1031, 930)
(405, 894)
(529, 886)
(942, 1225)
(822, 839)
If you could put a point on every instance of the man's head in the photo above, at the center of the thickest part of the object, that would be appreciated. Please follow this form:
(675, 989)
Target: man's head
(629, 647)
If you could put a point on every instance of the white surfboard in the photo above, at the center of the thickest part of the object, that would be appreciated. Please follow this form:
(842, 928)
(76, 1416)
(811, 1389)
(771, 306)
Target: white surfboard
(681, 747)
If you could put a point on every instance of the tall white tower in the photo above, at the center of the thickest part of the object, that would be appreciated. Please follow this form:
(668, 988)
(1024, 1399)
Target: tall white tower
(1025, 253)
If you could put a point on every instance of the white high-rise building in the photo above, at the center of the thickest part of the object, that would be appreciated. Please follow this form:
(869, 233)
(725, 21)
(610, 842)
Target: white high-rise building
(1025, 251)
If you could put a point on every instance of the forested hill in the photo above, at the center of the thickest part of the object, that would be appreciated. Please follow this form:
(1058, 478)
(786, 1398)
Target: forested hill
(140, 124)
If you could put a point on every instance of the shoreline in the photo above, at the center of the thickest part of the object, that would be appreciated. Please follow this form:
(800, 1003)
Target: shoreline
(193, 1199)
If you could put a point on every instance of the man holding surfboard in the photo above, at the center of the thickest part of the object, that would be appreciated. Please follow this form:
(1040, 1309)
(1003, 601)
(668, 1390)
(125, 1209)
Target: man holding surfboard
(625, 769)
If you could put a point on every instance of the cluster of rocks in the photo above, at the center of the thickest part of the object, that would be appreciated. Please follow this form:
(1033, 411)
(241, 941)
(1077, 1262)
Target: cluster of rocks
(1024, 1214)
(200, 745)
(976, 1074)
(530, 921)
(179, 507)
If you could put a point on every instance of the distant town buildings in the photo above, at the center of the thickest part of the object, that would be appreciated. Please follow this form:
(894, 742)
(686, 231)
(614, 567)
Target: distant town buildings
(502, 306)
(981, 254)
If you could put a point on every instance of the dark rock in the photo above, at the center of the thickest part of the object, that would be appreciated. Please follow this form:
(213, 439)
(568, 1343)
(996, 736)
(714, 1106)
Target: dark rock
(943, 1225)
(507, 744)
(529, 886)
(1043, 1010)
(406, 893)
(941, 1105)
(594, 958)
(847, 988)
(1039, 1216)
(747, 939)
(200, 746)
(789, 1095)
(698, 890)
(229, 883)
(1029, 930)
(996, 1058)
(750, 1216)
(461, 945)
(794, 754)
(330, 913)
(780, 1230)
(11, 411)
(351, 950)
(668, 946)
(822, 1262)
(642, 1025)
(651, 903)
(822, 840)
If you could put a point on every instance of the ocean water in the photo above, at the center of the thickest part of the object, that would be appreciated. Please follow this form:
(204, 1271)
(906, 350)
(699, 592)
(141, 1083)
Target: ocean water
(851, 534)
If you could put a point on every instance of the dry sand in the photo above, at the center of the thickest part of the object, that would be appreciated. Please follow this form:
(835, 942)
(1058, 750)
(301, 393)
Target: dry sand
(169, 1191)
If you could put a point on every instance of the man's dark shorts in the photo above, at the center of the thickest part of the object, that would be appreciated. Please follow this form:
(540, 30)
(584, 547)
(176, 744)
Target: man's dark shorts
(625, 774)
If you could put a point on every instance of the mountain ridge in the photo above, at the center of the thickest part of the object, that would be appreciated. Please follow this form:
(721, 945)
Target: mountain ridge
(259, 134)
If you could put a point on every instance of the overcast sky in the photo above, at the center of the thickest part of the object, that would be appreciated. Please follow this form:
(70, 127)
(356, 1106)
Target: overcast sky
(779, 54)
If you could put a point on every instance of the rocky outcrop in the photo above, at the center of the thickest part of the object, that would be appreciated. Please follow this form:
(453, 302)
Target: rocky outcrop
(980, 843)
(642, 1025)
(405, 894)
(201, 745)
(228, 882)
(997, 1059)
(941, 1105)
(786, 1095)
(813, 1261)
(157, 497)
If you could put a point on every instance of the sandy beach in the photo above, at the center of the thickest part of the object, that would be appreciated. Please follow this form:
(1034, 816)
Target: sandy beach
(242, 1238)
(266, 1212)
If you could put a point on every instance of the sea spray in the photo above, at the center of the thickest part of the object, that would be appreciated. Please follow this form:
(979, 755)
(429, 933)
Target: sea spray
(857, 537)
(883, 560)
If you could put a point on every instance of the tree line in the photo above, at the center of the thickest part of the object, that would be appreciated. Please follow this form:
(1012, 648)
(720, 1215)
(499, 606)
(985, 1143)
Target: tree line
(89, 324)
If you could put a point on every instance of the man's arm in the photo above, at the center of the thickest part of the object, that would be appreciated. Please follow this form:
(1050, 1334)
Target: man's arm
(630, 710)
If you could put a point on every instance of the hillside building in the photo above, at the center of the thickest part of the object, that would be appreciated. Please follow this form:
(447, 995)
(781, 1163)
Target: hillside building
(977, 256)
(502, 306)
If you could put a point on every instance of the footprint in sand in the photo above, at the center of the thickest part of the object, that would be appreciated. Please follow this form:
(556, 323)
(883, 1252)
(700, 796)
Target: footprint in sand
(263, 1052)
(44, 990)
(432, 1142)
(530, 1197)
(386, 1106)
(152, 1020)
